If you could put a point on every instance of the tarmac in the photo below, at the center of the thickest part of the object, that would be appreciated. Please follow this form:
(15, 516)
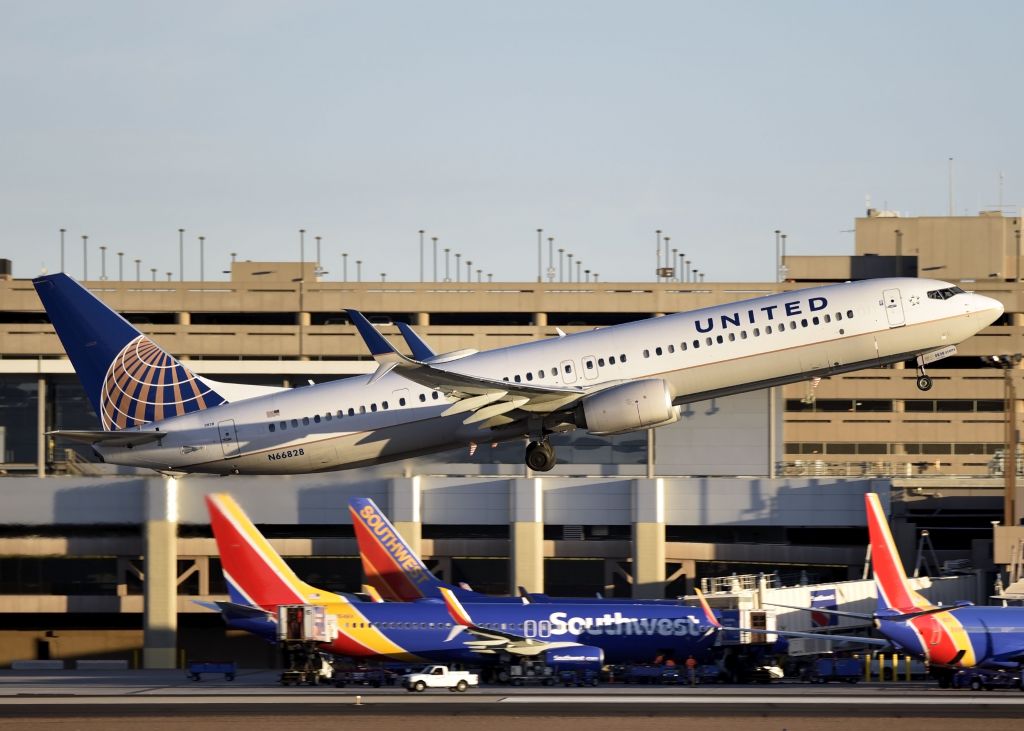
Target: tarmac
(157, 700)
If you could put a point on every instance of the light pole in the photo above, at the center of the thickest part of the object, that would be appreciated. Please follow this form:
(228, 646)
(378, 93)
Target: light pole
(782, 266)
(317, 256)
(447, 263)
(570, 267)
(85, 257)
(899, 253)
(1017, 234)
(579, 265)
(62, 248)
(1009, 364)
(687, 273)
(469, 270)
(458, 267)
(778, 253)
(359, 270)
(120, 266)
(421, 254)
(152, 270)
(551, 258)
(138, 270)
(181, 255)
(103, 263)
(302, 253)
(434, 239)
(202, 259)
(561, 253)
(344, 267)
(657, 259)
(540, 234)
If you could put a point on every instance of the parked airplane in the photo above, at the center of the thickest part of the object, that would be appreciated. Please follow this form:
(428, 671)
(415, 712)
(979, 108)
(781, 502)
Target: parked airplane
(397, 573)
(948, 638)
(155, 412)
(259, 581)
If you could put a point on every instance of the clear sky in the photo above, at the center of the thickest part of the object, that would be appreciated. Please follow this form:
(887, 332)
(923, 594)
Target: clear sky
(600, 122)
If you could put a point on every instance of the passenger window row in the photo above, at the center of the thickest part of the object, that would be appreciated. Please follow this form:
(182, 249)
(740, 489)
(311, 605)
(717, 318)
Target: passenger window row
(588, 364)
(754, 332)
(352, 411)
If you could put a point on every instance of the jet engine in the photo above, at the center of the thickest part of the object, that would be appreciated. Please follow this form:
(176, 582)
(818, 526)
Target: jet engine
(628, 407)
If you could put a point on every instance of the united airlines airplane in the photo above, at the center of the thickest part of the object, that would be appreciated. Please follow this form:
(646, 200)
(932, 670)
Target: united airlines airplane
(155, 412)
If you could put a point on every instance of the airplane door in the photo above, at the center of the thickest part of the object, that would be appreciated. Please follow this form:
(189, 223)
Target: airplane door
(589, 364)
(568, 372)
(893, 304)
(228, 438)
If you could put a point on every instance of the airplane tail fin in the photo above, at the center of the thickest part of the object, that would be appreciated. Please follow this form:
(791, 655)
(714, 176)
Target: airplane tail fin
(129, 379)
(255, 573)
(894, 591)
(391, 566)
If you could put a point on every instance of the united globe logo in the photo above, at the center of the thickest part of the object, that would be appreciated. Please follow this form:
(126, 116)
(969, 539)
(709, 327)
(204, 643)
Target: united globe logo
(144, 384)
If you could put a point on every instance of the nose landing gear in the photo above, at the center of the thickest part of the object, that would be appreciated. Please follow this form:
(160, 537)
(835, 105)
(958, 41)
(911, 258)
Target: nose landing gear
(540, 456)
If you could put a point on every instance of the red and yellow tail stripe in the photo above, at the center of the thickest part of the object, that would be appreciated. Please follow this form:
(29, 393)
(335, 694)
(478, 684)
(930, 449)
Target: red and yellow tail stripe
(260, 574)
(942, 636)
(455, 608)
(255, 568)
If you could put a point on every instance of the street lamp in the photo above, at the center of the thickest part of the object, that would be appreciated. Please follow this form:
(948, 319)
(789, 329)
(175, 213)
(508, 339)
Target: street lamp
(447, 265)
(152, 271)
(359, 270)
(657, 266)
(551, 258)
(561, 253)
(778, 253)
(138, 270)
(344, 267)
(103, 263)
(202, 258)
(458, 267)
(899, 253)
(120, 266)
(181, 255)
(85, 257)
(1009, 363)
(421, 253)
(317, 256)
(540, 234)
(63, 230)
(434, 239)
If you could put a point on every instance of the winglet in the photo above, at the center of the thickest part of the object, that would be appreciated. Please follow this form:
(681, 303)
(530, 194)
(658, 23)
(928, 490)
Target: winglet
(374, 595)
(377, 344)
(420, 350)
(455, 608)
(708, 614)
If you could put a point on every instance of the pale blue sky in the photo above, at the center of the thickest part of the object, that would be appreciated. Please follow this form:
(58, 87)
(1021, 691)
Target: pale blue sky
(717, 122)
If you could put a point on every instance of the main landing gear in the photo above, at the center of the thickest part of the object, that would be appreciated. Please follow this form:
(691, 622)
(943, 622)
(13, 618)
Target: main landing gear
(540, 456)
(924, 381)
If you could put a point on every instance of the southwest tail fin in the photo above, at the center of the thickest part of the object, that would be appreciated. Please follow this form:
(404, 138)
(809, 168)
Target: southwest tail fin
(255, 573)
(391, 566)
(128, 378)
(894, 591)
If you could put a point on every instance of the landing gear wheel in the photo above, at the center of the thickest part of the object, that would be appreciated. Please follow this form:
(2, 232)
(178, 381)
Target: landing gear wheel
(924, 383)
(540, 456)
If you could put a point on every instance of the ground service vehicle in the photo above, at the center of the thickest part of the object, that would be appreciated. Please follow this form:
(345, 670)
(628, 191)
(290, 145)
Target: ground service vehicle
(439, 676)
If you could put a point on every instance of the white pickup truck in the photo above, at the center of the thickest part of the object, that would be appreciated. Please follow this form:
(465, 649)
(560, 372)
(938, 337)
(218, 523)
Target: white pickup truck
(439, 676)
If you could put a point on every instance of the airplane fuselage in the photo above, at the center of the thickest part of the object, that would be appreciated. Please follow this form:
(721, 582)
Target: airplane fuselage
(966, 637)
(700, 354)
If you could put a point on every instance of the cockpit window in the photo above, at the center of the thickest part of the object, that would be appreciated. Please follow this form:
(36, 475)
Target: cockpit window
(944, 294)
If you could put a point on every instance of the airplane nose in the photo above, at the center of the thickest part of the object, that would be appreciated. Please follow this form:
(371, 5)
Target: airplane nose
(993, 307)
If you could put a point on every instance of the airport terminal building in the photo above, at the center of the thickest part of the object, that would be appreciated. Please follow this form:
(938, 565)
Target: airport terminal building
(97, 561)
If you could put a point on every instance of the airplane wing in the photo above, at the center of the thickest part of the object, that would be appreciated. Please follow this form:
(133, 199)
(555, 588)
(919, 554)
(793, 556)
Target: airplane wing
(903, 617)
(423, 352)
(492, 641)
(110, 438)
(713, 621)
(486, 397)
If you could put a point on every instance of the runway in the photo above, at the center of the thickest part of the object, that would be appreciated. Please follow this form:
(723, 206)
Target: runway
(158, 700)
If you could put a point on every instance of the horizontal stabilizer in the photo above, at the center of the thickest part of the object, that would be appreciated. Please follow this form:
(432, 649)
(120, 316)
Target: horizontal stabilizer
(111, 438)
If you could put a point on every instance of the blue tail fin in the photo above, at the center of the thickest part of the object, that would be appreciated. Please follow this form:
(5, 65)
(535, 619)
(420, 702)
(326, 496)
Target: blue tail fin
(128, 378)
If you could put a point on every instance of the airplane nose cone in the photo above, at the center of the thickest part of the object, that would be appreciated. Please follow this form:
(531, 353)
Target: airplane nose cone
(991, 307)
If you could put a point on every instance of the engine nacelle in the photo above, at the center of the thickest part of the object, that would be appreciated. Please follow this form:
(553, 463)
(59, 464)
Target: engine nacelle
(629, 407)
(580, 658)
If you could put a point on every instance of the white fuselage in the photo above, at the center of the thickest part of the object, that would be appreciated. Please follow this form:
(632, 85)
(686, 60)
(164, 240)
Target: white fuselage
(710, 352)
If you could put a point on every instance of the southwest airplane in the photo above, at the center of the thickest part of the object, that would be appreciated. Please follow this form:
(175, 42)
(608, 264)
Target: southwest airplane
(948, 638)
(156, 413)
(259, 581)
(395, 572)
